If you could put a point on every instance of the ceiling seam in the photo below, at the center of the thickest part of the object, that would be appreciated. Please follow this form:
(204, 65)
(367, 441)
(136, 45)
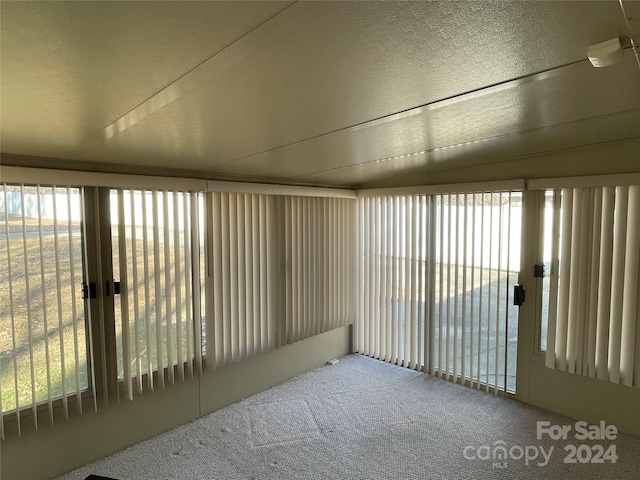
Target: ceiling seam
(505, 84)
(517, 157)
(187, 73)
(454, 145)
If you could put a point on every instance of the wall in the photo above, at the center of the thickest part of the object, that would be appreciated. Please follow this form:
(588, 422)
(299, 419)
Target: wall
(583, 398)
(54, 450)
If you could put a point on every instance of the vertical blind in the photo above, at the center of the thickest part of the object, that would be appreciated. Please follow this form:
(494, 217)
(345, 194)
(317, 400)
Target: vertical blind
(594, 301)
(243, 297)
(282, 270)
(44, 340)
(477, 252)
(158, 252)
(319, 265)
(435, 276)
(392, 238)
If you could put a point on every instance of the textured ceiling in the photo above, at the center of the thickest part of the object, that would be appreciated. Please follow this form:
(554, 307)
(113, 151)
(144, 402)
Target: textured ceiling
(331, 93)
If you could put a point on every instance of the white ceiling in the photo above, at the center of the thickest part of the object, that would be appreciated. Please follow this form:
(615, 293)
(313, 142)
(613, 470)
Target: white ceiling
(327, 93)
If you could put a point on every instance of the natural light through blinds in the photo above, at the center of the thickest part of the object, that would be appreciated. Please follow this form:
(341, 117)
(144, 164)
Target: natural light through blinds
(158, 255)
(477, 264)
(594, 301)
(436, 278)
(281, 270)
(392, 291)
(42, 315)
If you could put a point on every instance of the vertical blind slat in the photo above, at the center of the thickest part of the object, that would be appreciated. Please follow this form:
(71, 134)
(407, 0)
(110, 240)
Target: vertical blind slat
(264, 313)
(255, 227)
(384, 304)
(13, 317)
(45, 316)
(498, 291)
(472, 299)
(564, 277)
(447, 299)
(550, 358)
(489, 297)
(456, 272)
(248, 274)
(168, 316)
(124, 297)
(178, 261)
(233, 269)
(630, 289)
(484, 242)
(29, 316)
(507, 306)
(157, 286)
(196, 215)
(596, 228)
(74, 309)
(419, 281)
(147, 289)
(431, 285)
(188, 306)
(440, 342)
(413, 347)
(225, 277)
(617, 282)
(60, 326)
(464, 319)
(136, 286)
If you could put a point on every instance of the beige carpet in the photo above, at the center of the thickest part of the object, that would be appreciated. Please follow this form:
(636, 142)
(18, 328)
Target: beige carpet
(365, 419)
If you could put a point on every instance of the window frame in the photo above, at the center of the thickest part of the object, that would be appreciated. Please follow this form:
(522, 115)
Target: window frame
(96, 261)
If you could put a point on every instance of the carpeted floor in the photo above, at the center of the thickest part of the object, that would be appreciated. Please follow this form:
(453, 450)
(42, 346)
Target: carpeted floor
(365, 419)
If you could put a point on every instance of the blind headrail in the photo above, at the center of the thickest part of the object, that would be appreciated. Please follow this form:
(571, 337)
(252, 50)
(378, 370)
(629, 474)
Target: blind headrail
(50, 176)
(276, 189)
(614, 180)
(472, 187)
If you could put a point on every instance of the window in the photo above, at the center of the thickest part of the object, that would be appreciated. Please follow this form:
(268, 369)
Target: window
(157, 242)
(43, 346)
(551, 237)
(103, 294)
(593, 300)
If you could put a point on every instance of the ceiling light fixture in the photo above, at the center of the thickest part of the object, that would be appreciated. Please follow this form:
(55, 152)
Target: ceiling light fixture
(606, 53)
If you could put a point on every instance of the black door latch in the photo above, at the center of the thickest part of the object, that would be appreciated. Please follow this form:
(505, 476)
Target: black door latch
(89, 290)
(518, 295)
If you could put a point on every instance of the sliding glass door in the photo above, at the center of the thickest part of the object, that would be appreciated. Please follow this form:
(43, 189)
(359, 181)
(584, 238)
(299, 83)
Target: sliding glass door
(477, 263)
(437, 275)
